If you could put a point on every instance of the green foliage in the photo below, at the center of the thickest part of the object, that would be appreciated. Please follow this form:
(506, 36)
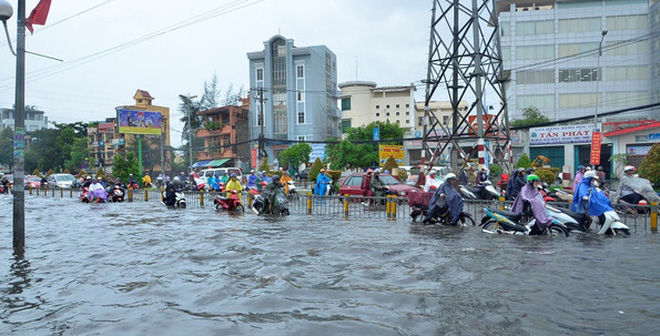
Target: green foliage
(122, 167)
(316, 168)
(150, 152)
(349, 154)
(79, 154)
(7, 146)
(495, 170)
(263, 166)
(531, 117)
(524, 161)
(100, 172)
(546, 175)
(36, 172)
(295, 155)
(403, 175)
(621, 158)
(650, 167)
(212, 125)
(390, 164)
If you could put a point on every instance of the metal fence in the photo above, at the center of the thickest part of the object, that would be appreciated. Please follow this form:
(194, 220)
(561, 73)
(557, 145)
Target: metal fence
(637, 217)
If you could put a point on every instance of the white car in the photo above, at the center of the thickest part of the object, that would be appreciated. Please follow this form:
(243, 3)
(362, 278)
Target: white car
(61, 181)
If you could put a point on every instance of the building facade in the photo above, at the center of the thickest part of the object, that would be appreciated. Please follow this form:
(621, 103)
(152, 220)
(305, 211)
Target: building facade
(550, 49)
(225, 133)
(655, 51)
(299, 92)
(363, 102)
(34, 120)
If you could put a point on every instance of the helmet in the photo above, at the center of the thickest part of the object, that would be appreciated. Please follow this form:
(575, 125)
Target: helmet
(590, 174)
(387, 172)
(532, 178)
(450, 176)
(629, 168)
(233, 175)
(88, 177)
(587, 168)
(176, 179)
(276, 177)
(580, 167)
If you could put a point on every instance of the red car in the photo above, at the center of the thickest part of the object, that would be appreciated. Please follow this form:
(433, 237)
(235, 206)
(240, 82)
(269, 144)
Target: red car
(351, 185)
(32, 181)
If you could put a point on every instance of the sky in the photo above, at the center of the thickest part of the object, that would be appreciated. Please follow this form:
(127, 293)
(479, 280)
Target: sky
(389, 39)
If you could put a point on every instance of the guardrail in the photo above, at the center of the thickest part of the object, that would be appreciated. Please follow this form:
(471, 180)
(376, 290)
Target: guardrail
(637, 217)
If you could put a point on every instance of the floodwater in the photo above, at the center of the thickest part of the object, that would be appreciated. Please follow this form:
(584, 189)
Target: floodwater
(139, 269)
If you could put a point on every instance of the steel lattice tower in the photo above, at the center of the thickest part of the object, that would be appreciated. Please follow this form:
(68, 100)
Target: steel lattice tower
(469, 65)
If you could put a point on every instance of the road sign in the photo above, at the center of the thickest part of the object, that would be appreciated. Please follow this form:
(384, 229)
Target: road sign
(375, 133)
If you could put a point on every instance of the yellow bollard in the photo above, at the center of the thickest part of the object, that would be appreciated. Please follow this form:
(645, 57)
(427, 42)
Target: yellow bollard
(346, 205)
(61, 193)
(201, 198)
(30, 190)
(37, 191)
(130, 194)
(53, 192)
(501, 202)
(249, 200)
(146, 195)
(387, 206)
(71, 193)
(309, 203)
(162, 194)
(654, 217)
(393, 207)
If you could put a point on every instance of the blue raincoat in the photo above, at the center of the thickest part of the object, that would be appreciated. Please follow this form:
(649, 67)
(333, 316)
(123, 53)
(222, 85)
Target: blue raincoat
(252, 181)
(598, 203)
(321, 184)
(580, 191)
(452, 197)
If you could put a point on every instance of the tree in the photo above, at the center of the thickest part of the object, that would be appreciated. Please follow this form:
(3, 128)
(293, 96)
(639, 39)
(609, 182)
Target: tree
(263, 166)
(349, 154)
(314, 171)
(524, 161)
(36, 172)
(122, 167)
(650, 167)
(79, 154)
(295, 155)
(531, 117)
(390, 164)
(7, 146)
(150, 152)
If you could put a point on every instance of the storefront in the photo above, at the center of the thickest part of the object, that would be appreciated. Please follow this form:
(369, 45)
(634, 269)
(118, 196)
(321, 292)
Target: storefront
(634, 138)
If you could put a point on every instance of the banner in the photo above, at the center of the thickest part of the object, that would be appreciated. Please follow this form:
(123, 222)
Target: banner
(596, 140)
(139, 122)
(318, 151)
(395, 151)
(253, 158)
(560, 134)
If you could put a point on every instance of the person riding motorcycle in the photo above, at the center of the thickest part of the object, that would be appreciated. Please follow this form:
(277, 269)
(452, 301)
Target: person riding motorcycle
(482, 177)
(233, 185)
(446, 196)
(146, 180)
(131, 181)
(97, 192)
(377, 186)
(322, 182)
(590, 199)
(516, 182)
(87, 183)
(530, 194)
(270, 193)
(633, 189)
(170, 194)
(252, 180)
(285, 181)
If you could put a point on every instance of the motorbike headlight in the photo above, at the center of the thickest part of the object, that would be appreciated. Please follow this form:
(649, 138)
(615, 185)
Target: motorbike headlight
(402, 193)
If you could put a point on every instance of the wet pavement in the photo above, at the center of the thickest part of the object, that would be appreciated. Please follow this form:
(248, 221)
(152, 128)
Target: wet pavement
(139, 269)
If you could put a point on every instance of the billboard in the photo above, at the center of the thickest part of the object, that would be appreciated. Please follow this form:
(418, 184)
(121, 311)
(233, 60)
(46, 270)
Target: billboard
(139, 122)
(560, 134)
(318, 151)
(395, 151)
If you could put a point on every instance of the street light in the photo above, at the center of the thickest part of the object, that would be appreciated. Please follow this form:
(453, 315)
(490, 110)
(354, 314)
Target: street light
(598, 78)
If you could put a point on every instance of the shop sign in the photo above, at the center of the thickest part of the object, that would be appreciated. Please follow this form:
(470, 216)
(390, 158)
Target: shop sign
(318, 151)
(596, 139)
(395, 151)
(654, 136)
(638, 150)
(641, 138)
(560, 134)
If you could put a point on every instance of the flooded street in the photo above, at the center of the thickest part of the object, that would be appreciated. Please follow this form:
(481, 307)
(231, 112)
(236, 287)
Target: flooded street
(139, 269)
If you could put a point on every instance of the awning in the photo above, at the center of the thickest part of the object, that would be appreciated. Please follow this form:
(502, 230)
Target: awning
(204, 163)
(633, 129)
(217, 163)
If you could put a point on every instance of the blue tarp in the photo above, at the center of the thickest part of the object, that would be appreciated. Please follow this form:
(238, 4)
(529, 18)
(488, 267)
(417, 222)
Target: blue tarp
(201, 163)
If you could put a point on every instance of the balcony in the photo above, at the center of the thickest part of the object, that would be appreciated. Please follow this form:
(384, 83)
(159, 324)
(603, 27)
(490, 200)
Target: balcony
(215, 154)
(203, 133)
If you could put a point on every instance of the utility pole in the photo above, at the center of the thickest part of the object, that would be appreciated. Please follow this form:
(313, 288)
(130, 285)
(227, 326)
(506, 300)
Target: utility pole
(19, 136)
(262, 148)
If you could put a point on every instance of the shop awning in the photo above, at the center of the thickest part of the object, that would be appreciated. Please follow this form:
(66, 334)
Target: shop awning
(204, 163)
(217, 163)
(633, 129)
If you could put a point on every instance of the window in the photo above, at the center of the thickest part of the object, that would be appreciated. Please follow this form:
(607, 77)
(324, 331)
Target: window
(577, 48)
(387, 114)
(397, 122)
(300, 96)
(506, 53)
(345, 125)
(420, 121)
(377, 114)
(579, 75)
(301, 117)
(535, 77)
(627, 73)
(301, 138)
(542, 102)
(397, 113)
(407, 113)
(505, 28)
(377, 107)
(300, 71)
(535, 52)
(637, 48)
(580, 25)
(535, 27)
(407, 105)
(355, 181)
(397, 105)
(407, 121)
(627, 22)
(260, 74)
(627, 98)
(346, 104)
(445, 120)
(577, 100)
(387, 106)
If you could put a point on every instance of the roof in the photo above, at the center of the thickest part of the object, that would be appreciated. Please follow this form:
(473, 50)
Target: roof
(633, 129)
(142, 94)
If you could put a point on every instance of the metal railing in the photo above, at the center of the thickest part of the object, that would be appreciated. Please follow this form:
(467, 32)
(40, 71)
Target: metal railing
(637, 217)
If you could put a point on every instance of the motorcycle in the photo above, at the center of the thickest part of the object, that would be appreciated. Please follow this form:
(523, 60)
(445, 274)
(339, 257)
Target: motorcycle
(487, 191)
(564, 195)
(84, 195)
(292, 188)
(572, 220)
(419, 202)
(548, 196)
(500, 221)
(116, 193)
(231, 204)
(179, 200)
(261, 204)
(133, 185)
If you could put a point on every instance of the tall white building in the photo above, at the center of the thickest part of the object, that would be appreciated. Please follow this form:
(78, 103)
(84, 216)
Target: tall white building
(363, 103)
(550, 48)
(34, 120)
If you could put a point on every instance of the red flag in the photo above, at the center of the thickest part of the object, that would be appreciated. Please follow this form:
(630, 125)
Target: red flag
(38, 15)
